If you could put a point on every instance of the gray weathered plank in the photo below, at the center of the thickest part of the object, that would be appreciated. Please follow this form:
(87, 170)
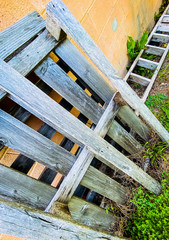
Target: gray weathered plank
(2, 94)
(62, 16)
(142, 62)
(103, 185)
(52, 74)
(20, 137)
(158, 37)
(22, 221)
(165, 19)
(34, 53)
(163, 27)
(75, 175)
(32, 144)
(158, 51)
(123, 138)
(57, 79)
(78, 63)
(126, 115)
(58, 118)
(16, 186)
(90, 214)
(139, 79)
(19, 33)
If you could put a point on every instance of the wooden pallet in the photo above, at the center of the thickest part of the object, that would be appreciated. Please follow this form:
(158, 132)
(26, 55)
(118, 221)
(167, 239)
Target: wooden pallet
(157, 38)
(89, 93)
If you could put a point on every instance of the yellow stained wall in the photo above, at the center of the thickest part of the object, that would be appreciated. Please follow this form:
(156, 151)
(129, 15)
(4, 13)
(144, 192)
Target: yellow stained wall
(108, 22)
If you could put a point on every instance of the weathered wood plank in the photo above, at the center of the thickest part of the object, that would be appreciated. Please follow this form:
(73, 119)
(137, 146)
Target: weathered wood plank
(2, 94)
(139, 79)
(78, 63)
(163, 27)
(165, 19)
(30, 143)
(158, 37)
(22, 221)
(19, 33)
(158, 51)
(57, 32)
(58, 118)
(34, 53)
(57, 79)
(77, 172)
(126, 115)
(57, 11)
(90, 214)
(77, 129)
(123, 138)
(103, 185)
(16, 186)
(142, 62)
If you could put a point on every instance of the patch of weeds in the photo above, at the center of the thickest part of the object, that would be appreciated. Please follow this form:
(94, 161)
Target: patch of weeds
(159, 105)
(156, 152)
(134, 47)
(161, 10)
(143, 71)
(151, 57)
(150, 220)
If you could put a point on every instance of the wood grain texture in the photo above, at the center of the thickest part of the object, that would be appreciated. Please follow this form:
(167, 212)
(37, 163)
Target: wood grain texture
(2, 94)
(139, 79)
(18, 187)
(78, 63)
(19, 33)
(30, 143)
(90, 214)
(126, 115)
(163, 27)
(158, 51)
(34, 53)
(29, 223)
(77, 172)
(58, 118)
(58, 80)
(158, 37)
(59, 12)
(142, 62)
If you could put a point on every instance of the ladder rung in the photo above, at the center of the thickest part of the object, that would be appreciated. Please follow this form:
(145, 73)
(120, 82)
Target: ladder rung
(165, 19)
(163, 27)
(158, 37)
(158, 51)
(139, 79)
(147, 63)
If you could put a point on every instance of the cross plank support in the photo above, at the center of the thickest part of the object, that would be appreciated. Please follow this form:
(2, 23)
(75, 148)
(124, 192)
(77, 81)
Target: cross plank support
(75, 175)
(59, 13)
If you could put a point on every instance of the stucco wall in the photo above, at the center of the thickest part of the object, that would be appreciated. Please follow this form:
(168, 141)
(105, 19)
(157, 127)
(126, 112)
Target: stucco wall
(108, 22)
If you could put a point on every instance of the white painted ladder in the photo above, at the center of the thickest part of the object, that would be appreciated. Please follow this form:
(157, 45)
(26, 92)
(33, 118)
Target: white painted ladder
(159, 34)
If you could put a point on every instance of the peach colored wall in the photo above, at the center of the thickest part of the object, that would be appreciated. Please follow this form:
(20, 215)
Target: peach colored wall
(108, 22)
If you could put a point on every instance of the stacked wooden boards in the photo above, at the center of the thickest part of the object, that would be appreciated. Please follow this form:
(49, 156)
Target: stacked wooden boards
(88, 95)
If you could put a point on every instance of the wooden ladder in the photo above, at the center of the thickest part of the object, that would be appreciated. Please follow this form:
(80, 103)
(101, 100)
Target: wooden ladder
(160, 36)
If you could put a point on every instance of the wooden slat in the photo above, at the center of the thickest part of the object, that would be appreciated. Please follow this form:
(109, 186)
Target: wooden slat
(77, 172)
(58, 118)
(126, 115)
(158, 51)
(25, 222)
(90, 214)
(78, 63)
(57, 11)
(25, 140)
(139, 79)
(165, 19)
(103, 185)
(163, 27)
(57, 79)
(33, 145)
(158, 37)
(19, 33)
(16, 186)
(2, 94)
(142, 62)
(35, 52)
(123, 138)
